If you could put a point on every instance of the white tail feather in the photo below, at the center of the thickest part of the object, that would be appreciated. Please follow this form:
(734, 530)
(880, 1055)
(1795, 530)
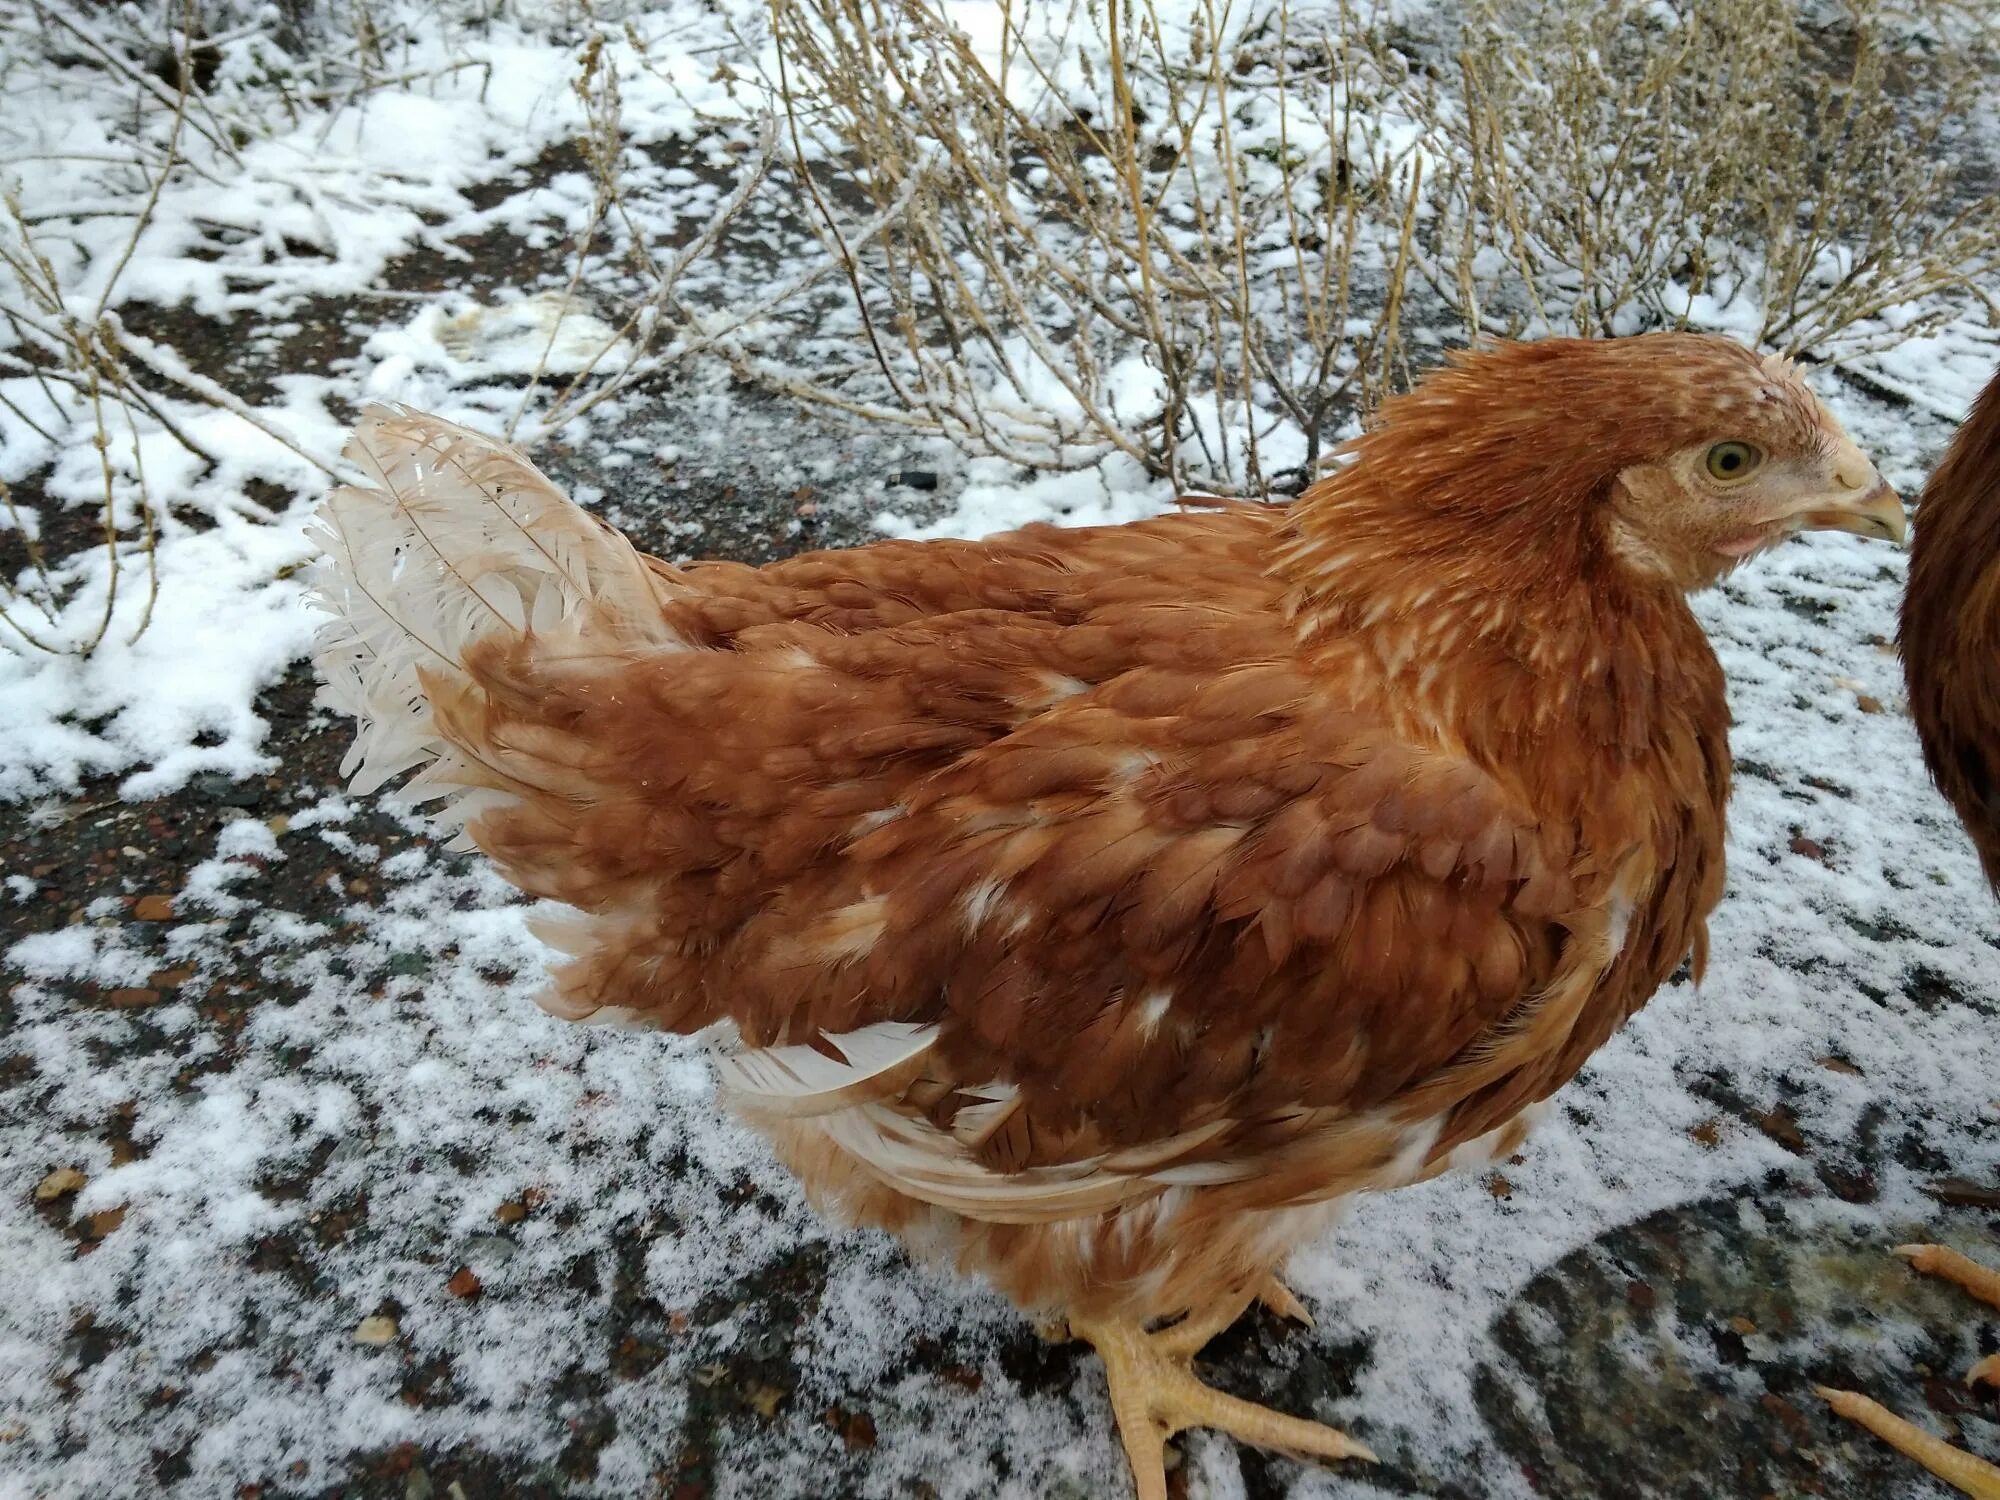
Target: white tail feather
(879, 1059)
(455, 538)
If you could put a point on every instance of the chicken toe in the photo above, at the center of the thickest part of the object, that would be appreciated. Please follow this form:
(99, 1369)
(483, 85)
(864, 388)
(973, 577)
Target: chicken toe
(1961, 1470)
(1155, 1394)
(1956, 1467)
(1283, 1302)
(1934, 1260)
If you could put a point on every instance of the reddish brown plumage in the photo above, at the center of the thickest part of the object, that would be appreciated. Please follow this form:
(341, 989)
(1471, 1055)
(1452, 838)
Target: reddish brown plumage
(1950, 632)
(1118, 898)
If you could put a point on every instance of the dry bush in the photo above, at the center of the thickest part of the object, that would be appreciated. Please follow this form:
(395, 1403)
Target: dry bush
(1191, 251)
(1747, 164)
(58, 321)
(198, 85)
(1196, 243)
(661, 326)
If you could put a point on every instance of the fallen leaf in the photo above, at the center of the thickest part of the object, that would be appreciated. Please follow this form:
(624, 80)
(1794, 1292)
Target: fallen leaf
(171, 979)
(1867, 704)
(1962, 1192)
(1782, 1126)
(765, 1399)
(155, 908)
(61, 1181)
(131, 999)
(1834, 1064)
(1809, 849)
(99, 1224)
(464, 1284)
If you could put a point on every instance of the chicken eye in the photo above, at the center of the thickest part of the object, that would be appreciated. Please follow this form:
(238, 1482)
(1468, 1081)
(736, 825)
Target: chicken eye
(1732, 461)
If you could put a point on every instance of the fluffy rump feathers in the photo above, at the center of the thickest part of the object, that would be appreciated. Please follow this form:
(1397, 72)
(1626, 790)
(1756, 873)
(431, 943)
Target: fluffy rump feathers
(452, 541)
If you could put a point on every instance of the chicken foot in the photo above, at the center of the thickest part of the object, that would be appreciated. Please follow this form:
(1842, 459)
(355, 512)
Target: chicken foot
(1155, 1392)
(1957, 1468)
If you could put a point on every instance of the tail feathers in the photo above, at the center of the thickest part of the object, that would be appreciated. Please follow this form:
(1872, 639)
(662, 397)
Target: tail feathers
(455, 540)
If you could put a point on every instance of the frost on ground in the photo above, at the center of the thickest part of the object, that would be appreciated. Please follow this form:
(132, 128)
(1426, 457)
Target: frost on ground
(299, 1194)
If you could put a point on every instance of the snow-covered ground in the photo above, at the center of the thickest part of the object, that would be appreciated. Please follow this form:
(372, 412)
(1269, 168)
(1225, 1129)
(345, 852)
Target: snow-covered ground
(336, 1186)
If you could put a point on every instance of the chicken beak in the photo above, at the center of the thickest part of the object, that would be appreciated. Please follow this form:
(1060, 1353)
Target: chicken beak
(1860, 500)
(1876, 512)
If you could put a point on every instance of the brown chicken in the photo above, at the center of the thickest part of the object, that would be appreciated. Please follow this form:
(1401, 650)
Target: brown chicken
(1950, 638)
(1097, 908)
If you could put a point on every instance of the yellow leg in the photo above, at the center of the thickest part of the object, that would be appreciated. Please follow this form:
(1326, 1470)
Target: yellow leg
(1155, 1394)
(1957, 1468)
(1973, 1476)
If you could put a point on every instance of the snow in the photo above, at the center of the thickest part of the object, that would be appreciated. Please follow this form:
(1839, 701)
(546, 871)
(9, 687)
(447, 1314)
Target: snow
(396, 1060)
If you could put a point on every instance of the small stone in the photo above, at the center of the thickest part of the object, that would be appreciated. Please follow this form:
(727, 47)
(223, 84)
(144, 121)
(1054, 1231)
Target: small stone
(279, 825)
(155, 908)
(131, 999)
(513, 1211)
(464, 1284)
(1858, 1186)
(859, 1433)
(59, 1183)
(171, 979)
(1835, 1064)
(358, 886)
(916, 479)
(1811, 849)
(375, 1331)
(491, 1247)
(1867, 704)
(240, 794)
